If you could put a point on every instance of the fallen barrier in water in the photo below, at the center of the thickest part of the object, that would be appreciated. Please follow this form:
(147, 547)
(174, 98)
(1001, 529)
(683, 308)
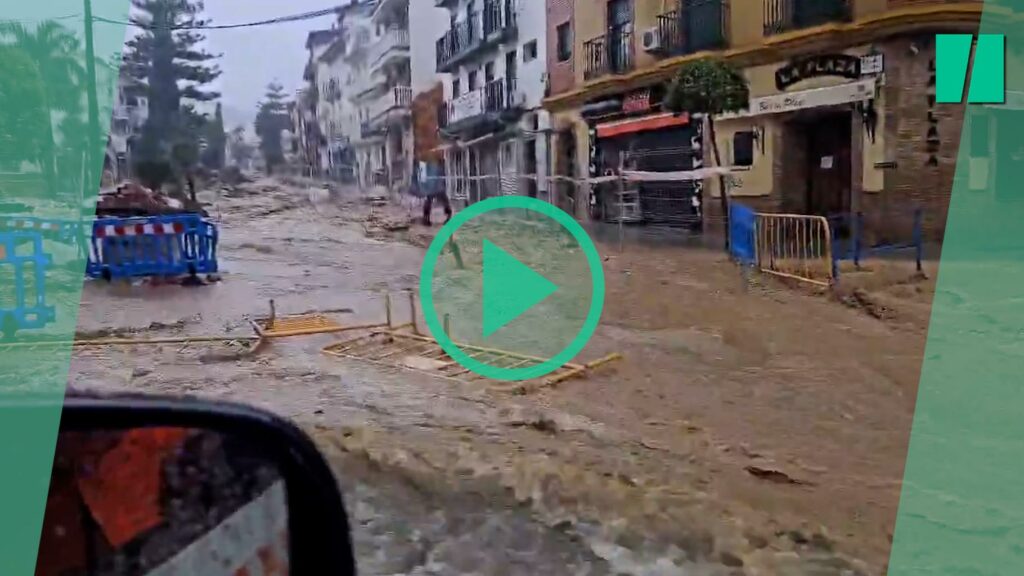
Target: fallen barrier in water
(387, 344)
(405, 347)
(158, 246)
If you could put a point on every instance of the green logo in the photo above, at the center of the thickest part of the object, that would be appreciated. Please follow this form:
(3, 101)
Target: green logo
(988, 75)
(512, 288)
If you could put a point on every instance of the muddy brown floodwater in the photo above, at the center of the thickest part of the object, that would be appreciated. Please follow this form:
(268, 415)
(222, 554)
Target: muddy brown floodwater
(752, 428)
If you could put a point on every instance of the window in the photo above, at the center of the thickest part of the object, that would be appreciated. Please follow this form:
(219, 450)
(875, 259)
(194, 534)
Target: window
(743, 149)
(471, 84)
(530, 51)
(564, 39)
(456, 88)
(489, 72)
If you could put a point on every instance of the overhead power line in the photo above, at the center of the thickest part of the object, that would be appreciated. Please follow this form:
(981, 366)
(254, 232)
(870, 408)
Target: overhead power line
(279, 20)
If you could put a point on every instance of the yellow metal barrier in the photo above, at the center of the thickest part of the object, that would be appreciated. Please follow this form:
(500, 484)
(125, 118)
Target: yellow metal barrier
(795, 246)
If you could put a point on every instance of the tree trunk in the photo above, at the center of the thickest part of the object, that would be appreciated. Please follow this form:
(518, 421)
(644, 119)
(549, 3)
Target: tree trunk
(723, 191)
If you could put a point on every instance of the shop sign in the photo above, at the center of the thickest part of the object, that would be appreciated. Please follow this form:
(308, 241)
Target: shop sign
(872, 64)
(639, 101)
(842, 65)
(831, 96)
(467, 106)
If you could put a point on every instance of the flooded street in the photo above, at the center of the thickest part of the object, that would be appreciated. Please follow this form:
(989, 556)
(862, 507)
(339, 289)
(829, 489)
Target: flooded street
(751, 428)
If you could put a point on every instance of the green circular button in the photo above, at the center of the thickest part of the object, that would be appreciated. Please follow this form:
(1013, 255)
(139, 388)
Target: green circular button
(512, 288)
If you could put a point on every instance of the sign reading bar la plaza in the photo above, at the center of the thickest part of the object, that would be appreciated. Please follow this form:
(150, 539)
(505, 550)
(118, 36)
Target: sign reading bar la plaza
(831, 96)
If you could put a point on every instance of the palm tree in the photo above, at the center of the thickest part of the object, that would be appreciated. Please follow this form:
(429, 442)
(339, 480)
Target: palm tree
(56, 53)
(25, 120)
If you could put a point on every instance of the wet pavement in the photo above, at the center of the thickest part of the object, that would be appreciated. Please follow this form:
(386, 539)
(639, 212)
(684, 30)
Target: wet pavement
(612, 475)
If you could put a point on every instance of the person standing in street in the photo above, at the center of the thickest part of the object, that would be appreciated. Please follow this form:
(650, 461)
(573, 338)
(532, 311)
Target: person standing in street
(431, 186)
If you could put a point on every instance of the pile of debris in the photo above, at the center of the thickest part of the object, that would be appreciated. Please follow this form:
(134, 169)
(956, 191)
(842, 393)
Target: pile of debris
(131, 199)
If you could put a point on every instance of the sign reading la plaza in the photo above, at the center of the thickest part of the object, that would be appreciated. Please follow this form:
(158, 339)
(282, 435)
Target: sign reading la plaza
(842, 65)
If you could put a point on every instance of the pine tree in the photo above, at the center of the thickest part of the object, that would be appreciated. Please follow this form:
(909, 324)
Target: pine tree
(216, 141)
(271, 120)
(168, 58)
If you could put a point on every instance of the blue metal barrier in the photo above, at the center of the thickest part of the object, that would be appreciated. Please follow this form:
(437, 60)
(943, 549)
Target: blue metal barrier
(26, 308)
(853, 246)
(160, 246)
(742, 224)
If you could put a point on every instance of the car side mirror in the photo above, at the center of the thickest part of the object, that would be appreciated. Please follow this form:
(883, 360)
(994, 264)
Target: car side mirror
(145, 486)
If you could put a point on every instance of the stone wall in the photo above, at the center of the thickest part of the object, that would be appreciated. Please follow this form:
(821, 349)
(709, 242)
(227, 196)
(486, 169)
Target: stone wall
(923, 176)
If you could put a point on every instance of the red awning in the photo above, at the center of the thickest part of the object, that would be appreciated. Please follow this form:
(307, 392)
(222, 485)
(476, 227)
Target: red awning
(653, 122)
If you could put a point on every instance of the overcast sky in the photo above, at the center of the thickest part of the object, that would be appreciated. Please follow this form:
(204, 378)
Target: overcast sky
(255, 56)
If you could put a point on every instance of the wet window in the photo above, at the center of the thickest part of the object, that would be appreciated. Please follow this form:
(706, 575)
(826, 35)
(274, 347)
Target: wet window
(530, 51)
(564, 39)
(743, 148)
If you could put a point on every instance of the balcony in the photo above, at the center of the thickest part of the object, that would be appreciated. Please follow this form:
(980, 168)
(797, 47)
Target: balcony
(368, 131)
(392, 45)
(500, 20)
(497, 23)
(609, 54)
(457, 43)
(697, 25)
(382, 111)
(786, 15)
(489, 106)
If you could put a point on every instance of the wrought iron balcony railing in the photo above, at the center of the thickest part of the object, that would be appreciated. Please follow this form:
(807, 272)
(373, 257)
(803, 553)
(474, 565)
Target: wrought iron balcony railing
(697, 25)
(457, 42)
(785, 15)
(612, 53)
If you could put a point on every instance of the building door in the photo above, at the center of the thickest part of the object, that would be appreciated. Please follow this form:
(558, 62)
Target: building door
(530, 167)
(829, 172)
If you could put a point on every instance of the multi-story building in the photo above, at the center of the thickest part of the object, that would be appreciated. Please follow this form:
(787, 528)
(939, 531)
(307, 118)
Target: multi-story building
(316, 109)
(493, 52)
(130, 112)
(842, 114)
(376, 89)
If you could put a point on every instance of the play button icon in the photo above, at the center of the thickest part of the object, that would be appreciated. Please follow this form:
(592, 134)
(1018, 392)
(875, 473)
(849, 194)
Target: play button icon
(512, 288)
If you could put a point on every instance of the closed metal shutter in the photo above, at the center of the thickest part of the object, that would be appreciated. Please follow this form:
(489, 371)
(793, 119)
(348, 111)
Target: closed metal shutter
(668, 150)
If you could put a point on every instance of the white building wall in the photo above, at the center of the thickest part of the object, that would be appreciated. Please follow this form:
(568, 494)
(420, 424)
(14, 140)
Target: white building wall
(530, 80)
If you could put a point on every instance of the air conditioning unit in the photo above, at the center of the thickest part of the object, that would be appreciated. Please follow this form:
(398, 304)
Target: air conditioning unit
(652, 40)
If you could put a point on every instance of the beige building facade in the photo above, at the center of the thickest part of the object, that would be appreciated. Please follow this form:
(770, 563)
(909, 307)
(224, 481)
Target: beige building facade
(842, 115)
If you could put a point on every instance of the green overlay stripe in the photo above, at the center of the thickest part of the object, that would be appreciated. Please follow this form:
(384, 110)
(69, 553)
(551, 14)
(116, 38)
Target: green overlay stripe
(962, 506)
(50, 164)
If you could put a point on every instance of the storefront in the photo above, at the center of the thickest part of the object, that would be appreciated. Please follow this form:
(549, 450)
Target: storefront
(632, 132)
(856, 130)
(807, 129)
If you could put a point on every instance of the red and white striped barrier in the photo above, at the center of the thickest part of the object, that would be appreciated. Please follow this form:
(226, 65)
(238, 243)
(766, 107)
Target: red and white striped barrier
(159, 229)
